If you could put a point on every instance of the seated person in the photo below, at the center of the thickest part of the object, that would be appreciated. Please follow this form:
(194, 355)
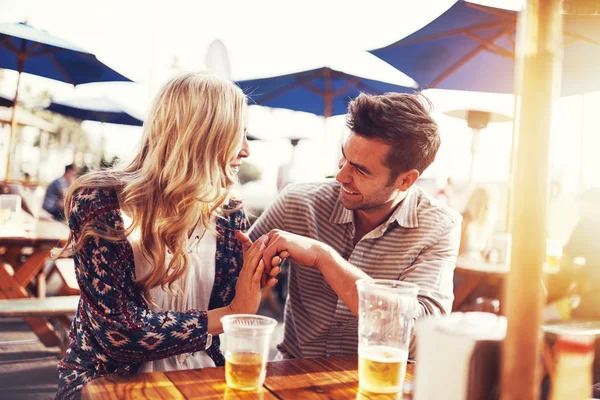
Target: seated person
(579, 272)
(580, 263)
(55, 194)
(479, 218)
(154, 290)
(373, 222)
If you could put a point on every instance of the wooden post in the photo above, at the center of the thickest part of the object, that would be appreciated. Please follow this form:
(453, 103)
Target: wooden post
(542, 31)
(13, 127)
(328, 95)
(21, 57)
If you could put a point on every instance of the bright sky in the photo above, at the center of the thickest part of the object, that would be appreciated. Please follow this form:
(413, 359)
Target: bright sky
(141, 38)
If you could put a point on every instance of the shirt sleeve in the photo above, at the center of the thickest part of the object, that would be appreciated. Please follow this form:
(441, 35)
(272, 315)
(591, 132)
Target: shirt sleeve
(121, 322)
(52, 198)
(433, 272)
(272, 218)
(230, 259)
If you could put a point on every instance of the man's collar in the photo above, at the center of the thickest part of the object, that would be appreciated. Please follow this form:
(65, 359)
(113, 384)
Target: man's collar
(405, 213)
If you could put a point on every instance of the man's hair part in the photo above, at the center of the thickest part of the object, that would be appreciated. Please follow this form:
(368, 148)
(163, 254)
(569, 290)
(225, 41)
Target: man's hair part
(402, 121)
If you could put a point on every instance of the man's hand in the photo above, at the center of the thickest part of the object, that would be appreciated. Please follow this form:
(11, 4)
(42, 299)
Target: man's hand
(269, 274)
(299, 249)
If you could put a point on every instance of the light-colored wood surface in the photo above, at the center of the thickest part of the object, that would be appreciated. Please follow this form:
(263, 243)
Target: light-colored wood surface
(315, 378)
(476, 271)
(46, 233)
(475, 265)
(64, 268)
(209, 383)
(35, 307)
(539, 35)
(15, 277)
(141, 386)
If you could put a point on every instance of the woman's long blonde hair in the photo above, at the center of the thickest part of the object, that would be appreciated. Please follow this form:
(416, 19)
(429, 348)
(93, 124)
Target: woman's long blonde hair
(480, 206)
(180, 175)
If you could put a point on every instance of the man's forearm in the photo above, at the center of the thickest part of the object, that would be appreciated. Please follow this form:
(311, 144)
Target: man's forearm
(342, 277)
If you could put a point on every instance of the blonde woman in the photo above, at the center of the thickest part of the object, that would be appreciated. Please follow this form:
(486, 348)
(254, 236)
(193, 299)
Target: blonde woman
(155, 246)
(479, 217)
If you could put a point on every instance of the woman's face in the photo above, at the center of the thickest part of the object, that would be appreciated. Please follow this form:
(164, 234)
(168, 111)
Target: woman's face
(245, 149)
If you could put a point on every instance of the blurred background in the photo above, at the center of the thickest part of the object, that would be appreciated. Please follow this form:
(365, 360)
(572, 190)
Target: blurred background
(148, 41)
(271, 49)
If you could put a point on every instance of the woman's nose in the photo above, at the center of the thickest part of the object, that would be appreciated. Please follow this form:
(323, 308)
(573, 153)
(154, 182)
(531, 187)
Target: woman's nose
(245, 151)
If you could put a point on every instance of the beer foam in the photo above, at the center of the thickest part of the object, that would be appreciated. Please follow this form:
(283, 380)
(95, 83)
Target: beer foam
(383, 354)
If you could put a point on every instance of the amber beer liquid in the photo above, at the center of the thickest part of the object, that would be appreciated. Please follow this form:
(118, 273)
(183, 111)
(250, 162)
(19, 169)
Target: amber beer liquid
(244, 371)
(381, 369)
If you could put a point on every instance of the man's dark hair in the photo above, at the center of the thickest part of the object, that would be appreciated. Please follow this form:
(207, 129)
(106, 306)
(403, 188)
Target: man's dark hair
(70, 167)
(402, 121)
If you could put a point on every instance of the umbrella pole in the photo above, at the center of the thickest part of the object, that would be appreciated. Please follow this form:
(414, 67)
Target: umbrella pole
(582, 147)
(13, 123)
(511, 165)
(474, 147)
(13, 119)
(520, 377)
(327, 112)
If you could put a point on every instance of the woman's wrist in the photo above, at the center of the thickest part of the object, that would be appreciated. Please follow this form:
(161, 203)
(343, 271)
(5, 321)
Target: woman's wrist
(229, 309)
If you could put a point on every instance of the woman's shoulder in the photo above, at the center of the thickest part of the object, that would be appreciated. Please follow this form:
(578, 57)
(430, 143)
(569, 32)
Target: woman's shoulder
(91, 198)
(92, 203)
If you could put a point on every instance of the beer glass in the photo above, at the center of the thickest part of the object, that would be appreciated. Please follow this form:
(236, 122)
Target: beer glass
(386, 316)
(553, 254)
(247, 338)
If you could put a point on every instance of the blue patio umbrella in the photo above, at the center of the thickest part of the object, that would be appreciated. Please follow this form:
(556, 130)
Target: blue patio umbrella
(472, 47)
(5, 101)
(26, 49)
(323, 91)
(95, 109)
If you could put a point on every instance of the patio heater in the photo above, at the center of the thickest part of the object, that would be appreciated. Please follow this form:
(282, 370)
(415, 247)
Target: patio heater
(477, 120)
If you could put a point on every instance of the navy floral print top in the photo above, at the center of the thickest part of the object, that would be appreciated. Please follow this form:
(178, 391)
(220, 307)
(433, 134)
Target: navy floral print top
(114, 330)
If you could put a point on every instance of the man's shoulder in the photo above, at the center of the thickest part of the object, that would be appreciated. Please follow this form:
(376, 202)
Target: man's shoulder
(54, 185)
(432, 212)
(313, 192)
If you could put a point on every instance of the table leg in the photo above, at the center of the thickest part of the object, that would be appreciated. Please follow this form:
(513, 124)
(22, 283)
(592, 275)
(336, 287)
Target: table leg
(30, 268)
(12, 288)
(41, 285)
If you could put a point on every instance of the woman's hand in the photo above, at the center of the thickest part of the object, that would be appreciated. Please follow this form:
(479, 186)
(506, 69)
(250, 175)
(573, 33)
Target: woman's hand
(269, 276)
(247, 290)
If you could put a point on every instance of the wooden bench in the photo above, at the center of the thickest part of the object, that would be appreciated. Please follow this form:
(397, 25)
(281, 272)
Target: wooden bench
(64, 268)
(58, 308)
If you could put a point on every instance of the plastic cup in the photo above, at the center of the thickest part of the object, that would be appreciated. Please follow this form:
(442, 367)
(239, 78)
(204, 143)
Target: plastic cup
(386, 317)
(247, 338)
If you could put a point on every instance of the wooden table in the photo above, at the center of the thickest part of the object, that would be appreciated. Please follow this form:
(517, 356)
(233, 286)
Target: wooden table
(15, 279)
(477, 270)
(311, 378)
(474, 272)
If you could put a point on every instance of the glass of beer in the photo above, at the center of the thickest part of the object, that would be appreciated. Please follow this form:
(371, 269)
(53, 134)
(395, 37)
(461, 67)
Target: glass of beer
(386, 317)
(553, 254)
(247, 338)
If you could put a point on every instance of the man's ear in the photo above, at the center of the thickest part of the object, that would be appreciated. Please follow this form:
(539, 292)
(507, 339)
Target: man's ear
(407, 179)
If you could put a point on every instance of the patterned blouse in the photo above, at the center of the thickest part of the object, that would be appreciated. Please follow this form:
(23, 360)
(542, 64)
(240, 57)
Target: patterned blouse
(114, 330)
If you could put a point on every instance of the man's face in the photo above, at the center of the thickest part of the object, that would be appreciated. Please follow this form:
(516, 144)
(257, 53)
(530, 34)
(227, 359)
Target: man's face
(364, 177)
(70, 176)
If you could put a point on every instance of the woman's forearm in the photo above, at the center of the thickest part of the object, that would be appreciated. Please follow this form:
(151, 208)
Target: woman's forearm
(214, 319)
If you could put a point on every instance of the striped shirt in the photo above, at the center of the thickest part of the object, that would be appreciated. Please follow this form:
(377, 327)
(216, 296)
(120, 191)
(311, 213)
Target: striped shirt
(418, 243)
